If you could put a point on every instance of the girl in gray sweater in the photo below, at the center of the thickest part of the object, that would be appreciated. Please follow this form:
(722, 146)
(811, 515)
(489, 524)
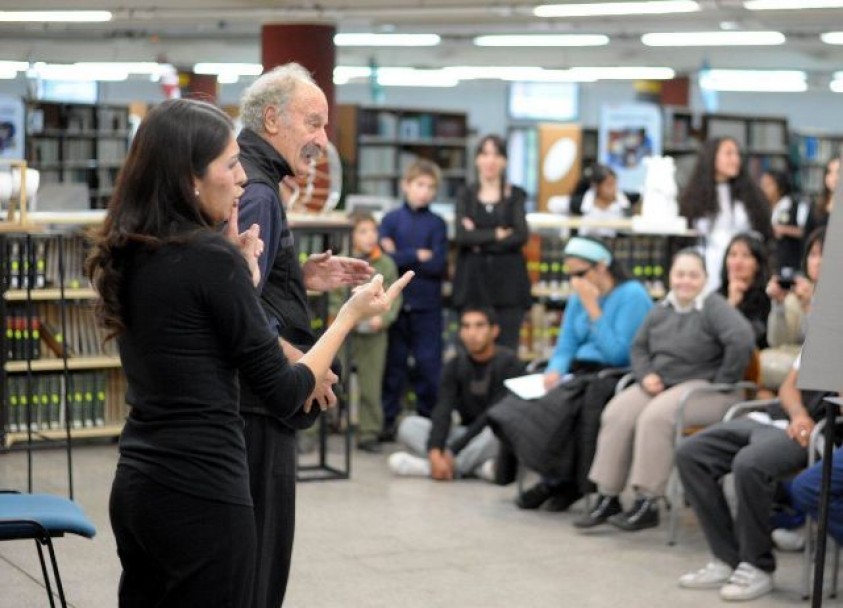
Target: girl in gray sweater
(687, 341)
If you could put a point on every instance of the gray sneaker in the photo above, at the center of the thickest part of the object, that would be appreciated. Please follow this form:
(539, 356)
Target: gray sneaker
(715, 574)
(747, 583)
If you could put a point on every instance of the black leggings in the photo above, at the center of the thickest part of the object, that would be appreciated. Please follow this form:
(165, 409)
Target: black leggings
(179, 550)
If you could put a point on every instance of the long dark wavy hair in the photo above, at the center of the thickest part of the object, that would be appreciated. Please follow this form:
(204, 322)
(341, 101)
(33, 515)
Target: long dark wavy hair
(755, 297)
(699, 198)
(154, 201)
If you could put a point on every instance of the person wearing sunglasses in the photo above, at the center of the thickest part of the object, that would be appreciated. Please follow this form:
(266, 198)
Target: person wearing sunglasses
(556, 434)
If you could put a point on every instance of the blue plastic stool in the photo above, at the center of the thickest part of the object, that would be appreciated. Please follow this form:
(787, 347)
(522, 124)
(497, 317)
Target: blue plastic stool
(41, 517)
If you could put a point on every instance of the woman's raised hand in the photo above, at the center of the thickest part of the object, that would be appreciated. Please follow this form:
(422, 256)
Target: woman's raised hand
(370, 299)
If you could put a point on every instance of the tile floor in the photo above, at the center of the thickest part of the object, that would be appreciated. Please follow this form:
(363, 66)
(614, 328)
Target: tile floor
(376, 541)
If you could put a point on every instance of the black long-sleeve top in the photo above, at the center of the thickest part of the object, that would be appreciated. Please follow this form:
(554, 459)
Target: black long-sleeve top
(193, 321)
(470, 388)
(492, 272)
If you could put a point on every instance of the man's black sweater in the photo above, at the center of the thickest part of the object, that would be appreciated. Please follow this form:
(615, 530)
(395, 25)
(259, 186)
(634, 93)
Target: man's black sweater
(470, 388)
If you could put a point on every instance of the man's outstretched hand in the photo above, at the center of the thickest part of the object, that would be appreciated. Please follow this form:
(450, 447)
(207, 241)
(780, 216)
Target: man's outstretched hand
(325, 271)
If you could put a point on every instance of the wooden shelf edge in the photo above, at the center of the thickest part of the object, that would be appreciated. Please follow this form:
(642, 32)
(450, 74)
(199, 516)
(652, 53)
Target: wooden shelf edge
(57, 365)
(78, 293)
(109, 430)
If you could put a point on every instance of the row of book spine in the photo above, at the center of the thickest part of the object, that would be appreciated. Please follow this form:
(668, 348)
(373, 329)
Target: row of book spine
(44, 401)
(34, 262)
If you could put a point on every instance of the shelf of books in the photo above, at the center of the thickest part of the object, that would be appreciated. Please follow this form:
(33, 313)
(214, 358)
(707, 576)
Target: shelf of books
(78, 143)
(377, 144)
(59, 375)
(812, 151)
(763, 140)
(646, 257)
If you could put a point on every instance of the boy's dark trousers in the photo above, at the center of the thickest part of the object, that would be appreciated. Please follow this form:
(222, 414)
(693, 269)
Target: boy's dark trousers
(417, 333)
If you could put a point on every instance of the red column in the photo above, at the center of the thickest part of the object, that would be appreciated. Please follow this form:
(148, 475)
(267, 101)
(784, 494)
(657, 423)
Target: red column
(202, 86)
(311, 45)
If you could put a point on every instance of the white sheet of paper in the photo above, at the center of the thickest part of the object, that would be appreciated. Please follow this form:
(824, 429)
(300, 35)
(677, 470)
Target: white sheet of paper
(527, 387)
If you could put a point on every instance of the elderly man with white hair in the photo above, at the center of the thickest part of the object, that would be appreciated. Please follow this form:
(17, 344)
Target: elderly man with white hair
(284, 116)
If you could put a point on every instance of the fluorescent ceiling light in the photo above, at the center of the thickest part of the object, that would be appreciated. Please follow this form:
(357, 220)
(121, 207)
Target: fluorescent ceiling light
(713, 39)
(55, 16)
(622, 73)
(343, 74)
(8, 73)
(410, 77)
(836, 85)
(653, 7)
(240, 69)
(14, 66)
(543, 40)
(776, 81)
(832, 37)
(386, 39)
(782, 5)
(131, 67)
(66, 71)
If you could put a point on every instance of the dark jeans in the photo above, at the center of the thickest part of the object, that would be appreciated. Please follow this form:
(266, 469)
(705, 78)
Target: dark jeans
(805, 490)
(179, 550)
(271, 449)
(417, 333)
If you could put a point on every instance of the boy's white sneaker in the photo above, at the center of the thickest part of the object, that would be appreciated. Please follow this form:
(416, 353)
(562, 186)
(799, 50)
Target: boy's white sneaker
(407, 465)
(715, 574)
(747, 583)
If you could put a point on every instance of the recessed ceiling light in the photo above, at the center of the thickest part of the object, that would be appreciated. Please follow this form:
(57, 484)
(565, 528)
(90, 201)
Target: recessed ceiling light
(713, 39)
(386, 39)
(543, 40)
(652, 7)
(832, 37)
(782, 5)
(55, 16)
(750, 81)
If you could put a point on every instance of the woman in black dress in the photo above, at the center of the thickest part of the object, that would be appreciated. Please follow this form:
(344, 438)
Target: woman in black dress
(491, 229)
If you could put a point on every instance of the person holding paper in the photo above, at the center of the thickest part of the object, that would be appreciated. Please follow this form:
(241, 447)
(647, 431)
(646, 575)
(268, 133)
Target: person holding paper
(556, 434)
(471, 382)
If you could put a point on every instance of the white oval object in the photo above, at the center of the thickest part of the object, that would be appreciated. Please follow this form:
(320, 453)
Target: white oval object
(559, 159)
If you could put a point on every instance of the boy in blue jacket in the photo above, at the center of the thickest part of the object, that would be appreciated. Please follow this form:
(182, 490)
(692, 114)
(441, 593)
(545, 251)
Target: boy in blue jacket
(417, 240)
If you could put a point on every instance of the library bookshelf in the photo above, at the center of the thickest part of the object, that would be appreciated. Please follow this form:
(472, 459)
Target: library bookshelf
(60, 380)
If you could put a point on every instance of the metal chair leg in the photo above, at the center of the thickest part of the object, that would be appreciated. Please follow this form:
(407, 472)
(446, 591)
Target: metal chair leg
(56, 572)
(674, 496)
(47, 585)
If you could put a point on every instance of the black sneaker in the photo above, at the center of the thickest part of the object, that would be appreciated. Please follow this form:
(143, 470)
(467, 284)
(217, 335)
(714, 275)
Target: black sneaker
(387, 435)
(534, 497)
(373, 446)
(606, 507)
(563, 498)
(643, 514)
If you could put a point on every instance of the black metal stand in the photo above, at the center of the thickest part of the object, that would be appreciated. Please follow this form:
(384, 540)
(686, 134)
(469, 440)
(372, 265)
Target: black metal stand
(321, 235)
(832, 406)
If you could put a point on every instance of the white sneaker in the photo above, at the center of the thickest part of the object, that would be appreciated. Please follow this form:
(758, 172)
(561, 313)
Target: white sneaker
(714, 575)
(486, 471)
(747, 583)
(407, 465)
(788, 540)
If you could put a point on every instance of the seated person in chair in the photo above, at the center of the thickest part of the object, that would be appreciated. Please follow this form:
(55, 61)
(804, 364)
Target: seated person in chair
(556, 434)
(471, 382)
(759, 451)
(688, 341)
